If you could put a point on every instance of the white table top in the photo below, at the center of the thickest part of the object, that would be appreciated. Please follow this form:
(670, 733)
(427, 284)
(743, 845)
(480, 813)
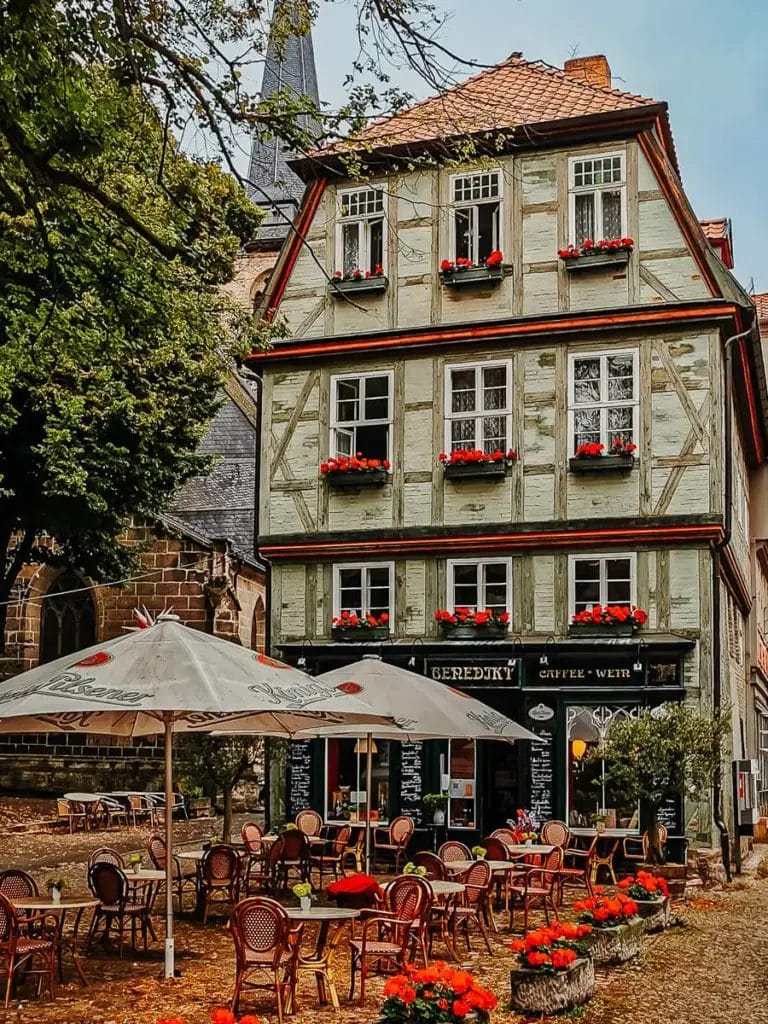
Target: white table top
(190, 854)
(46, 903)
(441, 887)
(608, 833)
(322, 913)
(494, 865)
(83, 798)
(522, 850)
(145, 875)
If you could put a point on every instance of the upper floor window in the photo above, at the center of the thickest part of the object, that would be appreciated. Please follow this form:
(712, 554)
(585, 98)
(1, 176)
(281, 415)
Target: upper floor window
(601, 579)
(477, 402)
(603, 400)
(597, 198)
(361, 588)
(475, 215)
(360, 238)
(479, 585)
(361, 415)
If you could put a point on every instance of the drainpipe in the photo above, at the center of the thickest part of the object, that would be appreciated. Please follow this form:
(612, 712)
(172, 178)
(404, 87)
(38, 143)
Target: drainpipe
(717, 682)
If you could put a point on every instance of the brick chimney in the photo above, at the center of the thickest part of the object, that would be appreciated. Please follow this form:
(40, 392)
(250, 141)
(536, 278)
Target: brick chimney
(592, 70)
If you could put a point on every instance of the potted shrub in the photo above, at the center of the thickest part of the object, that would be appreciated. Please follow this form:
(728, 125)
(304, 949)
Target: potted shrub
(198, 805)
(597, 820)
(356, 892)
(463, 273)
(651, 894)
(608, 620)
(470, 463)
(554, 970)
(439, 993)
(350, 626)
(611, 253)
(355, 471)
(358, 282)
(438, 804)
(464, 624)
(616, 927)
(592, 457)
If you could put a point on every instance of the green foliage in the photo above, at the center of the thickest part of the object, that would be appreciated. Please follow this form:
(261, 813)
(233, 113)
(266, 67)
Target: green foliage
(216, 763)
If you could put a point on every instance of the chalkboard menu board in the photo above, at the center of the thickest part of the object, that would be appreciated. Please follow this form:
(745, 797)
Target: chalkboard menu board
(669, 815)
(411, 781)
(542, 774)
(299, 777)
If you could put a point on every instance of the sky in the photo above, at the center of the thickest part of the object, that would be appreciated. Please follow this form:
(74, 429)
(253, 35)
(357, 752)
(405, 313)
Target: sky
(707, 59)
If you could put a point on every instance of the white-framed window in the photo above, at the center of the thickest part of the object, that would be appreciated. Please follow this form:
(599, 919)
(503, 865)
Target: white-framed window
(480, 585)
(462, 784)
(360, 230)
(597, 197)
(601, 579)
(478, 401)
(363, 587)
(361, 414)
(603, 398)
(476, 215)
(762, 749)
(346, 777)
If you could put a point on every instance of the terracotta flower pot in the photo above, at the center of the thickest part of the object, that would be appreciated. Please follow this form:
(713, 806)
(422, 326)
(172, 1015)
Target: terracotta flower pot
(540, 992)
(618, 944)
(655, 914)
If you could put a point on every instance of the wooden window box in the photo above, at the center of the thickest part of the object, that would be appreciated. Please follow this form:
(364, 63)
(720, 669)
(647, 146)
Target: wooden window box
(619, 258)
(360, 634)
(476, 277)
(365, 286)
(473, 470)
(601, 631)
(601, 464)
(494, 631)
(354, 479)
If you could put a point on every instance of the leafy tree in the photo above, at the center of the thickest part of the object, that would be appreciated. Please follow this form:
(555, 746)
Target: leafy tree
(218, 764)
(669, 751)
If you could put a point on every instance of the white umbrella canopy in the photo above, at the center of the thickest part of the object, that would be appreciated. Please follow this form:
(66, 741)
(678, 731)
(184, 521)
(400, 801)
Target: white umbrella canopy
(171, 678)
(422, 709)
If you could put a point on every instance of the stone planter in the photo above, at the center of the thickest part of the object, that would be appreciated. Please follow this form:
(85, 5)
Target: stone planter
(366, 285)
(616, 945)
(476, 277)
(473, 470)
(598, 629)
(497, 631)
(601, 464)
(537, 992)
(655, 914)
(617, 258)
(360, 634)
(353, 479)
(199, 807)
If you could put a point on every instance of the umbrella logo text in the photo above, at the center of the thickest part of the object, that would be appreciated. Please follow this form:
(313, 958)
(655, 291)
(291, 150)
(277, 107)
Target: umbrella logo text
(292, 696)
(73, 686)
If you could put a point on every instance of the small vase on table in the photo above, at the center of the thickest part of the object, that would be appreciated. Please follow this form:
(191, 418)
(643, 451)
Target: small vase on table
(305, 902)
(55, 894)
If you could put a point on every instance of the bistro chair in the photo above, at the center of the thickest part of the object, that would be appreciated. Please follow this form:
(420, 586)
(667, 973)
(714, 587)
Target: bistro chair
(70, 814)
(453, 850)
(495, 849)
(394, 840)
(538, 884)
(289, 855)
(106, 855)
(636, 847)
(141, 808)
(435, 867)
(578, 868)
(118, 904)
(254, 868)
(18, 885)
(555, 833)
(506, 835)
(356, 849)
(181, 876)
(219, 876)
(36, 954)
(265, 943)
(309, 822)
(112, 812)
(387, 937)
(331, 854)
(472, 908)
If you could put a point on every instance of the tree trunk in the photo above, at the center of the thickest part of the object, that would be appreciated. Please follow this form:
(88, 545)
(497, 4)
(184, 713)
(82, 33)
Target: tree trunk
(227, 826)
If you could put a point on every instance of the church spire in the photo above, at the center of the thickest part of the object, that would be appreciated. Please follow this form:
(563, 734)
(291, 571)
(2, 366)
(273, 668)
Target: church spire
(289, 66)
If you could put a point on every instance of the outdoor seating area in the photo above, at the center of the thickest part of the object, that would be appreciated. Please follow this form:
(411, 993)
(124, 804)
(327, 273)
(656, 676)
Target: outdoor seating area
(91, 812)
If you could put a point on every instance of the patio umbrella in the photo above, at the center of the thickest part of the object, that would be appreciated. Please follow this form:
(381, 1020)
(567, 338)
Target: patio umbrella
(422, 709)
(171, 678)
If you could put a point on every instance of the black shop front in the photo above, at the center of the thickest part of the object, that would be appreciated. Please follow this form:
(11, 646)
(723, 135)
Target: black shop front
(568, 693)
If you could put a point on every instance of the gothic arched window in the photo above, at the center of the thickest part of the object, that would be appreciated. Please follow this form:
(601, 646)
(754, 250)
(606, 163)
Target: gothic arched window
(68, 620)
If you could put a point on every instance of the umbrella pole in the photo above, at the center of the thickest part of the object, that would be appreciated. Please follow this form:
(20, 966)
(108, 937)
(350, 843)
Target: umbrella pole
(368, 793)
(169, 944)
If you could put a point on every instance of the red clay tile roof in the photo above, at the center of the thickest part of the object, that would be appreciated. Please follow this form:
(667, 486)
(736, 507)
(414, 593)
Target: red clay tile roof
(761, 303)
(718, 233)
(514, 94)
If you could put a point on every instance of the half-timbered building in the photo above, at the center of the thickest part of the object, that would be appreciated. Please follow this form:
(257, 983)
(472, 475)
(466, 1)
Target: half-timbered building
(436, 303)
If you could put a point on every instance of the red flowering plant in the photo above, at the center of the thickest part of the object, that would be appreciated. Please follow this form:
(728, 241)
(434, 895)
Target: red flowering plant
(591, 248)
(602, 911)
(220, 1016)
(551, 948)
(467, 456)
(358, 275)
(461, 263)
(352, 621)
(644, 886)
(594, 450)
(439, 995)
(611, 615)
(524, 827)
(353, 464)
(467, 617)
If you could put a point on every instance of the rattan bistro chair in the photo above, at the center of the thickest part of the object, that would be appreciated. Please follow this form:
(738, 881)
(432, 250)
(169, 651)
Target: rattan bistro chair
(183, 877)
(266, 944)
(472, 909)
(309, 822)
(118, 905)
(394, 840)
(35, 953)
(219, 876)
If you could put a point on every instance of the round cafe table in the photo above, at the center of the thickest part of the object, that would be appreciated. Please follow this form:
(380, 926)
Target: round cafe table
(444, 887)
(320, 960)
(457, 866)
(43, 904)
(89, 802)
